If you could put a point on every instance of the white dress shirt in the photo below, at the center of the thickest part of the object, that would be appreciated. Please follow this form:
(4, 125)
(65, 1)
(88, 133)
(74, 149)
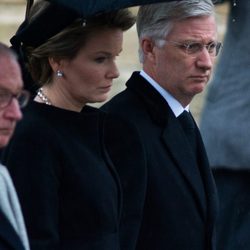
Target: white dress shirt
(175, 105)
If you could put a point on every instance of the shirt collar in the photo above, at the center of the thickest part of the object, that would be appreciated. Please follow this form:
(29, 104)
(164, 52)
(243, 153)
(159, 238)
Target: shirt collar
(175, 105)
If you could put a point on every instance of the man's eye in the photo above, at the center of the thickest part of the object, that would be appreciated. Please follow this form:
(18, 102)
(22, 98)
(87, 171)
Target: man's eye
(182, 46)
(194, 47)
(4, 95)
(211, 46)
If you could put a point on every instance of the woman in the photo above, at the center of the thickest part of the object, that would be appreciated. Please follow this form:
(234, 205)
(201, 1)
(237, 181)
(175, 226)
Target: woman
(63, 156)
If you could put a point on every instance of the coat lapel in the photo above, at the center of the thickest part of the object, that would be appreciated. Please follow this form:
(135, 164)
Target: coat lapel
(172, 135)
(175, 141)
(210, 187)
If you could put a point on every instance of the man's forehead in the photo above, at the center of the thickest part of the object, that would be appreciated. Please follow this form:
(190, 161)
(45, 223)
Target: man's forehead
(10, 72)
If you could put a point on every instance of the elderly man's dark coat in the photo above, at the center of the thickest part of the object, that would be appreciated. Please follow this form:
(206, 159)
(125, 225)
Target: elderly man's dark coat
(9, 239)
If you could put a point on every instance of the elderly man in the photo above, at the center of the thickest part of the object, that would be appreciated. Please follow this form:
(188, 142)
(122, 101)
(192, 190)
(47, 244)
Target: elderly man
(12, 97)
(178, 47)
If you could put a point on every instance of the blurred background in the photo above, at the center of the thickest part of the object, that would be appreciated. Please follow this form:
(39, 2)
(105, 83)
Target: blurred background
(12, 14)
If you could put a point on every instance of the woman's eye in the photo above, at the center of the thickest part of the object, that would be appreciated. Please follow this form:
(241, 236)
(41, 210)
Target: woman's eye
(100, 59)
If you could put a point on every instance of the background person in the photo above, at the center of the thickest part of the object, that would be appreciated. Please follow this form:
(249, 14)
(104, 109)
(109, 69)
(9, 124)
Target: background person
(178, 46)
(225, 129)
(12, 229)
(62, 158)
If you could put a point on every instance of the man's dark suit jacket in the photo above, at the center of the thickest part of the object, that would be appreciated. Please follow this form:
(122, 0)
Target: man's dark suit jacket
(9, 240)
(181, 200)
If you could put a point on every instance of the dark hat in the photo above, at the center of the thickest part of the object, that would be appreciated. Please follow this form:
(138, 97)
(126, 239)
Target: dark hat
(46, 24)
(50, 21)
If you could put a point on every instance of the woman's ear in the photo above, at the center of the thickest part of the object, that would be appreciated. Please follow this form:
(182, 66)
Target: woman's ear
(54, 64)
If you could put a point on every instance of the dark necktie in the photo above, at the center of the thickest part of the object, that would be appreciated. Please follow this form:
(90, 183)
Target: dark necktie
(188, 126)
(187, 122)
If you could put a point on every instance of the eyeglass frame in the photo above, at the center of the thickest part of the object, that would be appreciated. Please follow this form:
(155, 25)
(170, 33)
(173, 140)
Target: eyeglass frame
(10, 96)
(186, 46)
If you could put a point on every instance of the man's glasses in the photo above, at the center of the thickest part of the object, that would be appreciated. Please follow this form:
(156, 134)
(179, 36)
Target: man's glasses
(194, 48)
(6, 98)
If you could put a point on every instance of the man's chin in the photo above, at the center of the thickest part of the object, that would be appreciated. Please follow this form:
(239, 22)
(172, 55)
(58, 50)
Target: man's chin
(4, 140)
(198, 88)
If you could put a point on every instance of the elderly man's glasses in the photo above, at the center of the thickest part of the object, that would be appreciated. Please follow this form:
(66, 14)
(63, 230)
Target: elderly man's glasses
(6, 98)
(194, 48)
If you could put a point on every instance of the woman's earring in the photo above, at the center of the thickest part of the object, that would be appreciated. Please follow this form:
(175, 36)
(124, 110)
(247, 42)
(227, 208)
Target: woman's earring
(59, 73)
(84, 23)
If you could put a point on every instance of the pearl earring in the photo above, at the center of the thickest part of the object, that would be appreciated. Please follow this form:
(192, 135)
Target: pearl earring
(59, 73)
(84, 23)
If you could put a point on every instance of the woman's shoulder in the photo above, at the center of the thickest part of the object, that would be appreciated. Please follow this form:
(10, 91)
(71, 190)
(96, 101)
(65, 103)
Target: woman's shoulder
(32, 120)
(33, 136)
(34, 124)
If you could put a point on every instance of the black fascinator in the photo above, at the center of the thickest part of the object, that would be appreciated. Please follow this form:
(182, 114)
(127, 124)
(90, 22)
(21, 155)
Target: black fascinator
(50, 21)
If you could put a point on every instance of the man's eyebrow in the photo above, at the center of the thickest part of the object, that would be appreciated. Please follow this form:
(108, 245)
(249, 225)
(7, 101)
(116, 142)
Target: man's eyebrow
(3, 89)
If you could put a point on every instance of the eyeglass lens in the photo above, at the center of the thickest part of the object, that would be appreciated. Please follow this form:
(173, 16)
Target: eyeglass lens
(213, 48)
(7, 97)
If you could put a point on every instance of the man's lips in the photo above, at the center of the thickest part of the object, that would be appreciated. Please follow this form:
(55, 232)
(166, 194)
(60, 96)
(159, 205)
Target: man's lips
(6, 131)
(200, 77)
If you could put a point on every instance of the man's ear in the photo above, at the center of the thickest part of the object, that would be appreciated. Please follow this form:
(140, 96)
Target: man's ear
(148, 47)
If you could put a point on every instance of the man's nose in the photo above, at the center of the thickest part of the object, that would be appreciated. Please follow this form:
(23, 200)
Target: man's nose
(205, 60)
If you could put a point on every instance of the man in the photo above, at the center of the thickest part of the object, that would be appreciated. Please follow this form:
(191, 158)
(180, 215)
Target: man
(12, 97)
(178, 46)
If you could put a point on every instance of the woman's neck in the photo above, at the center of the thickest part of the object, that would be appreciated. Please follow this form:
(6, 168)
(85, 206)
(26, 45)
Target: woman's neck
(56, 97)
